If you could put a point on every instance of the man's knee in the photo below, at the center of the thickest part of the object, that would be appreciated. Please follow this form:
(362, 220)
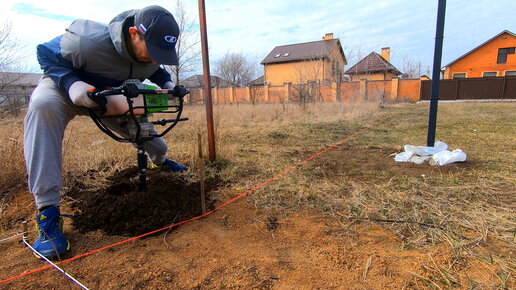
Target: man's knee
(44, 110)
(42, 105)
(158, 146)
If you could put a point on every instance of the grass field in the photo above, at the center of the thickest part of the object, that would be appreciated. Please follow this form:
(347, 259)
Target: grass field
(468, 207)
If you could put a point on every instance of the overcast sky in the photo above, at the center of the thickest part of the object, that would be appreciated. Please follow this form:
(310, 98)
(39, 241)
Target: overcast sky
(256, 27)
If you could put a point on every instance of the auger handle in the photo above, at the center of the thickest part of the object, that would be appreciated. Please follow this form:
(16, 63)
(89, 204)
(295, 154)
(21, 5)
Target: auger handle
(133, 91)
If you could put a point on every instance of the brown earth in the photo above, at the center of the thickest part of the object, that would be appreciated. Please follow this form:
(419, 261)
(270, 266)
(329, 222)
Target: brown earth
(237, 246)
(122, 209)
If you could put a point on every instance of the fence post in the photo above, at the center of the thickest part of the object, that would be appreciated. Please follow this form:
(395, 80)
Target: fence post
(503, 88)
(394, 88)
(216, 95)
(457, 89)
(201, 92)
(334, 92)
(421, 79)
(436, 73)
(231, 95)
(363, 90)
(266, 87)
(286, 91)
(248, 94)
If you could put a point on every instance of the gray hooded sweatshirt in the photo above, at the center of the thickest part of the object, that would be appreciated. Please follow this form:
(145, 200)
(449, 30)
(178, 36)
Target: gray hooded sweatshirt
(97, 54)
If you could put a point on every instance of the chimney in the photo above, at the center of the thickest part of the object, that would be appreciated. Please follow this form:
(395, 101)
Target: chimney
(386, 53)
(328, 36)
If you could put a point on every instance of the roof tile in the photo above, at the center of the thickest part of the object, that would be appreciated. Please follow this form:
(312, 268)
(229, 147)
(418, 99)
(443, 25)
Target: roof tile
(371, 64)
(300, 51)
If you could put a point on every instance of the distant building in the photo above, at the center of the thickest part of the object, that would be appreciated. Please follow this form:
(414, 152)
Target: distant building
(257, 82)
(197, 81)
(374, 67)
(494, 58)
(317, 61)
(17, 87)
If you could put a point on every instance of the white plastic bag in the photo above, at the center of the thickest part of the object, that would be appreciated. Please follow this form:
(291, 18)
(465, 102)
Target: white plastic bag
(446, 157)
(437, 155)
(427, 151)
(403, 156)
(421, 151)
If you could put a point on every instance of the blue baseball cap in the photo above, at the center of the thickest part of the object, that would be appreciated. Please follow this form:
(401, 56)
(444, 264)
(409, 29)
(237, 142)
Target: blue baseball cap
(160, 32)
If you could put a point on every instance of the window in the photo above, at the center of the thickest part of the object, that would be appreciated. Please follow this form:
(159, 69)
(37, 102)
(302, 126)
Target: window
(459, 76)
(502, 54)
(286, 54)
(510, 73)
(489, 74)
(278, 55)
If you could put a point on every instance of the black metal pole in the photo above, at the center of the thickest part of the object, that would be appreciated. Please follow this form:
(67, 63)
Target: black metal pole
(436, 74)
(207, 81)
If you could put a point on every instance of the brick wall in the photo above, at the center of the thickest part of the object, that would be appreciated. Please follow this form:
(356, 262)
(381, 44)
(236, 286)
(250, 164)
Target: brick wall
(387, 90)
(409, 90)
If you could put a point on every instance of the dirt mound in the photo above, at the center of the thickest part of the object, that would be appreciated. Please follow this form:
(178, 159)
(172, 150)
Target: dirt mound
(121, 209)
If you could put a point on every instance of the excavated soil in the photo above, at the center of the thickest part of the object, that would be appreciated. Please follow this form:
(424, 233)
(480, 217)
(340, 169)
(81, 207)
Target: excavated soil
(122, 209)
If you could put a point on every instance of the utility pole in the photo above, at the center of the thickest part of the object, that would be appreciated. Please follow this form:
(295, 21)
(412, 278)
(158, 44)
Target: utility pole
(207, 81)
(436, 74)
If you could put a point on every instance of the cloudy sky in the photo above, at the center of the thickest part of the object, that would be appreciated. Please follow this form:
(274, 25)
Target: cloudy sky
(254, 28)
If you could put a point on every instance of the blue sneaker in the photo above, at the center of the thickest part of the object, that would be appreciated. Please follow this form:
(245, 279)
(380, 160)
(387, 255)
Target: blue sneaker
(51, 242)
(172, 166)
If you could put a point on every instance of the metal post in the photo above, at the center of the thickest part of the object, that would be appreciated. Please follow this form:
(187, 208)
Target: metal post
(201, 174)
(25, 229)
(207, 81)
(436, 74)
(142, 168)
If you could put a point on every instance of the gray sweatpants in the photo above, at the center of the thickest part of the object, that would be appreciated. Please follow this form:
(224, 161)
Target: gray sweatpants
(50, 110)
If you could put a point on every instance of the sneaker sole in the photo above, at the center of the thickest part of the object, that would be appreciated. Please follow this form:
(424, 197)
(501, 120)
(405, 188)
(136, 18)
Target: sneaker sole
(53, 256)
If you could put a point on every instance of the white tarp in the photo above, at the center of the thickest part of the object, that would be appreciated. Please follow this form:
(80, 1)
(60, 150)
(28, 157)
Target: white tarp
(437, 155)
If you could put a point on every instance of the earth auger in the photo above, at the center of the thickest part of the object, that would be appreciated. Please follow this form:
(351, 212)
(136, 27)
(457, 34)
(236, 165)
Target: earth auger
(142, 101)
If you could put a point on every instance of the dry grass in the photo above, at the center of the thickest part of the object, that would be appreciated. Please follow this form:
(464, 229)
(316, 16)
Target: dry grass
(468, 209)
(12, 177)
(90, 156)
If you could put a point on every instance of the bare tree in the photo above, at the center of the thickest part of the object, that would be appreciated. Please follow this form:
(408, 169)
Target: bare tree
(187, 46)
(306, 89)
(236, 68)
(411, 69)
(308, 77)
(256, 90)
(12, 63)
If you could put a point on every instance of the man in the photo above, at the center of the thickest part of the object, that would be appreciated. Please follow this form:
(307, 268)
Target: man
(90, 55)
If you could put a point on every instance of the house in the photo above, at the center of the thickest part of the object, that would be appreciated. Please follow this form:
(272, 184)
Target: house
(197, 81)
(257, 82)
(316, 61)
(494, 58)
(17, 87)
(374, 67)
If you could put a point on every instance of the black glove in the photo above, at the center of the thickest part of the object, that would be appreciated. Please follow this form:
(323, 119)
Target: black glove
(180, 91)
(96, 96)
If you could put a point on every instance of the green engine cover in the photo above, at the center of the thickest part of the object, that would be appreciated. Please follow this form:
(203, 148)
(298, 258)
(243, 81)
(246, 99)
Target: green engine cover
(155, 102)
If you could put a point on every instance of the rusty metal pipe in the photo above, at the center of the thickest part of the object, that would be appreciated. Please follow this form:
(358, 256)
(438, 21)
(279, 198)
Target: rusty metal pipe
(207, 81)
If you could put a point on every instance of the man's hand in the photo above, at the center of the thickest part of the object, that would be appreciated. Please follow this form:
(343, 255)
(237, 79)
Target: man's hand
(78, 92)
(99, 99)
(180, 91)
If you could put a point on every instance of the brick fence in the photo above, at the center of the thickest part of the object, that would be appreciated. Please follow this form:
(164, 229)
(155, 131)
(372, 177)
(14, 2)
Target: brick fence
(395, 90)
